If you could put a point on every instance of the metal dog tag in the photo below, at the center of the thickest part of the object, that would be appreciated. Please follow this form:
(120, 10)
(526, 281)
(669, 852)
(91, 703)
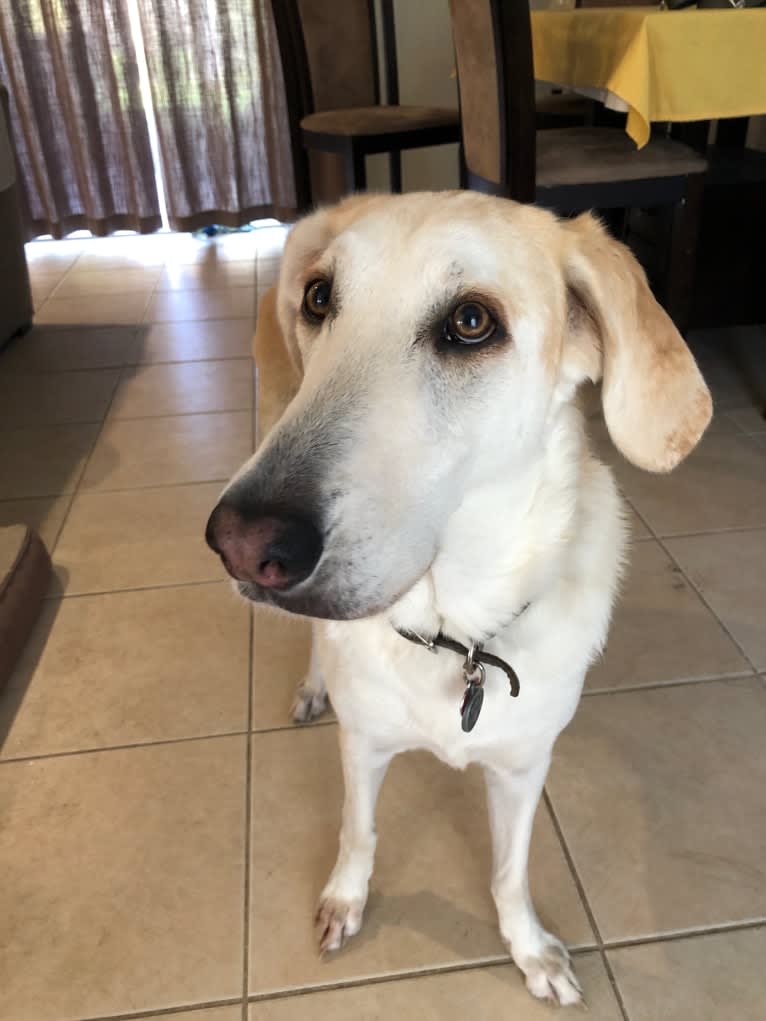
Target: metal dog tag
(471, 706)
(473, 698)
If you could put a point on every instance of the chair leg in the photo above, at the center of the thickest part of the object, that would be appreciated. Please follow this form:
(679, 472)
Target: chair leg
(304, 199)
(356, 171)
(732, 133)
(462, 167)
(395, 171)
(679, 277)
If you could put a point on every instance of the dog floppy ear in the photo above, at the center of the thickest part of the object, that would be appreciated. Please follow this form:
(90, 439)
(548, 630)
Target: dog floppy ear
(656, 404)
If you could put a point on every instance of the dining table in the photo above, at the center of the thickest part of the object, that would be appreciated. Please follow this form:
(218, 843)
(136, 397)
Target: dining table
(655, 64)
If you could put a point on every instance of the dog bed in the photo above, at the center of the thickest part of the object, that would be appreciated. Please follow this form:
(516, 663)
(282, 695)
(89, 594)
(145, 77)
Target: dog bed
(25, 570)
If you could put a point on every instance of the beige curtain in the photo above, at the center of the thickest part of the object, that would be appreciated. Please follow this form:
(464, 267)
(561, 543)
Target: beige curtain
(219, 104)
(77, 119)
(80, 127)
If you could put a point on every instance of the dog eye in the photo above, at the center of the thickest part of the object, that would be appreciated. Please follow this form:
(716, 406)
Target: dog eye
(470, 323)
(316, 299)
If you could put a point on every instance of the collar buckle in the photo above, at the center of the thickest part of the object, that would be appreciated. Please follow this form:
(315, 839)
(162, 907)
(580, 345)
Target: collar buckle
(415, 636)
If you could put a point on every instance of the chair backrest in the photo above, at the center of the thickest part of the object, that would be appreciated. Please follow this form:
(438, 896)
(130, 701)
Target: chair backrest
(616, 3)
(330, 52)
(493, 54)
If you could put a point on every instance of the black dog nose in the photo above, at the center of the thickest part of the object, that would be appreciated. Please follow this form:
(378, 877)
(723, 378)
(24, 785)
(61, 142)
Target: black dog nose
(273, 550)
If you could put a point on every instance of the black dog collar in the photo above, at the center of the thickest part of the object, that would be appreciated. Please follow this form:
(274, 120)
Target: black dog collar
(476, 658)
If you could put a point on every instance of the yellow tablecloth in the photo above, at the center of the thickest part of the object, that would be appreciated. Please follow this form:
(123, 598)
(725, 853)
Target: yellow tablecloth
(683, 65)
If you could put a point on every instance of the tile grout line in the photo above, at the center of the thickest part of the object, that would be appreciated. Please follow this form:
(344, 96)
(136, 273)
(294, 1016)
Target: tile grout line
(731, 530)
(208, 319)
(676, 683)
(117, 489)
(86, 462)
(153, 291)
(254, 280)
(632, 506)
(483, 963)
(710, 609)
(546, 798)
(139, 418)
(256, 405)
(248, 804)
(98, 491)
(184, 414)
(248, 825)
(87, 371)
(64, 517)
(255, 374)
(296, 728)
(132, 364)
(660, 537)
(586, 903)
(674, 936)
(134, 418)
(122, 489)
(51, 596)
(427, 971)
(121, 747)
(191, 361)
(168, 1012)
(432, 971)
(740, 429)
(662, 541)
(134, 329)
(66, 273)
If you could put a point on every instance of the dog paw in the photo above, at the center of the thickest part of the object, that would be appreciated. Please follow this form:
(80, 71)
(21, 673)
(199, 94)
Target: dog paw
(307, 704)
(550, 976)
(336, 920)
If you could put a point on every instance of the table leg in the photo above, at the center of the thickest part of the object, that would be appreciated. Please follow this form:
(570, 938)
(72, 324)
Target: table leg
(732, 132)
(679, 280)
(694, 134)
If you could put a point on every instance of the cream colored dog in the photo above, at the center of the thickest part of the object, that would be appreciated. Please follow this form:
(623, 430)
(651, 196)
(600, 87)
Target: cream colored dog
(431, 480)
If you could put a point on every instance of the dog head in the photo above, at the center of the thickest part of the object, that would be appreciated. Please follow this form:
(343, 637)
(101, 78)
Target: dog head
(435, 337)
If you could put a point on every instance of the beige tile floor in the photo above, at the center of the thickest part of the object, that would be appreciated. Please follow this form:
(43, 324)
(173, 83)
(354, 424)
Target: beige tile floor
(164, 831)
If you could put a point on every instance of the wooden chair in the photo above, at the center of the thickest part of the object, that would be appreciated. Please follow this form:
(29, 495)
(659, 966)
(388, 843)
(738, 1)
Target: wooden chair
(616, 3)
(332, 82)
(569, 169)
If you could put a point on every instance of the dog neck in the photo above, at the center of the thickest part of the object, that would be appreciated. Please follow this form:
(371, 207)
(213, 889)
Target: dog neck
(503, 546)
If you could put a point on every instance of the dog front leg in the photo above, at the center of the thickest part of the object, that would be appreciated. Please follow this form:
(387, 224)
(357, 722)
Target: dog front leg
(311, 694)
(513, 798)
(341, 905)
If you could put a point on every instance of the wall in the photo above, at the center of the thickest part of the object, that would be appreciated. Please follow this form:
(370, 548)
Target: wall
(426, 65)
